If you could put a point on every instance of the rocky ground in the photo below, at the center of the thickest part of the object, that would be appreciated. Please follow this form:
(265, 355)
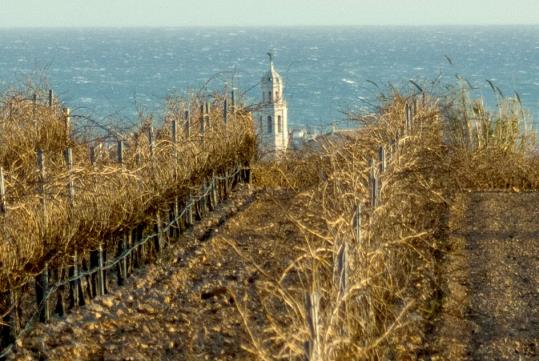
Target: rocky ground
(193, 305)
(491, 311)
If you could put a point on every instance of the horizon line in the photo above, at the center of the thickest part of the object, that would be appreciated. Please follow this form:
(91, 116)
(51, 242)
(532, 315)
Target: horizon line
(262, 26)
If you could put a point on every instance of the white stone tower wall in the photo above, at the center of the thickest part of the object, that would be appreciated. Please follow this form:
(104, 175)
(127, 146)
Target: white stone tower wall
(274, 133)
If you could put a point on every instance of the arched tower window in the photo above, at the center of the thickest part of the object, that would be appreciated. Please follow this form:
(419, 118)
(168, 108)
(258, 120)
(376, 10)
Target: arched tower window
(279, 124)
(270, 124)
(269, 96)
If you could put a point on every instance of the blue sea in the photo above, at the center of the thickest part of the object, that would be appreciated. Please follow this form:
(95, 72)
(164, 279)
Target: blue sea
(111, 74)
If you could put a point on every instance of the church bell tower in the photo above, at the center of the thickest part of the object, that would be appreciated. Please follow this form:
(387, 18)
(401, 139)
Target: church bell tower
(272, 118)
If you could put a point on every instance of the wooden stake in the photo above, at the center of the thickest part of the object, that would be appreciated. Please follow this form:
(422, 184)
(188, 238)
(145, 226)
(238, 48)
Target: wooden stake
(233, 103)
(190, 211)
(202, 124)
(51, 98)
(374, 185)
(227, 186)
(152, 141)
(342, 268)
(140, 236)
(177, 216)
(187, 125)
(74, 285)
(120, 152)
(100, 272)
(41, 168)
(174, 132)
(159, 239)
(67, 114)
(42, 293)
(60, 308)
(357, 223)
(122, 264)
(2, 192)
(312, 346)
(208, 111)
(225, 111)
(70, 186)
(8, 333)
(382, 159)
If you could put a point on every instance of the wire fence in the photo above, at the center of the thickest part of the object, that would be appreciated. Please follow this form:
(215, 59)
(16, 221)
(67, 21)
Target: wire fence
(210, 195)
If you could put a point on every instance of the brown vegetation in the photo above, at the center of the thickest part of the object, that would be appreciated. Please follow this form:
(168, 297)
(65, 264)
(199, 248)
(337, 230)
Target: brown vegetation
(108, 196)
(393, 289)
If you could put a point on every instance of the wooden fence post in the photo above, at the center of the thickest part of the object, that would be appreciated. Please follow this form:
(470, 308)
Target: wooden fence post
(9, 330)
(135, 255)
(208, 116)
(60, 308)
(70, 186)
(41, 189)
(151, 141)
(374, 184)
(225, 110)
(120, 152)
(2, 192)
(233, 103)
(97, 277)
(122, 264)
(357, 223)
(100, 273)
(5, 329)
(140, 237)
(202, 123)
(382, 158)
(227, 184)
(42, 294)
(313, 351)
(159, 239)
(74, 291)
(174, 214)
(174, 136)
(67, 114)
(42, 280)
(342, 281)
(122, 243)
(342, 267)
(190, 210)
(51, 98)
(187, 124)
(214, 190)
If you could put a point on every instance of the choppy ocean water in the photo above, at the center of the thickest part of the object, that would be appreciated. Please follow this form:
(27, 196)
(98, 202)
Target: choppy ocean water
(327, 70)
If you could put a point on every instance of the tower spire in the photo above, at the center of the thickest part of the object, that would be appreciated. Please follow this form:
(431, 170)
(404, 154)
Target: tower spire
(270, 55)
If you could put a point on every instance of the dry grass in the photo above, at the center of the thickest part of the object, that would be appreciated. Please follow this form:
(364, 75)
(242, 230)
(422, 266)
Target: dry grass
(109, 197)
(393, 288)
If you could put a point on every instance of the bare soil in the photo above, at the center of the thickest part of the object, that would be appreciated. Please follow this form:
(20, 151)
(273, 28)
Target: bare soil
(187, 306)
(196, 303)
(491, 308)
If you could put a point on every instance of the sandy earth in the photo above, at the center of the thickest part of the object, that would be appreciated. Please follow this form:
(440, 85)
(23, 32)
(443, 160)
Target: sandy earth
(491, 311)
(184, 308)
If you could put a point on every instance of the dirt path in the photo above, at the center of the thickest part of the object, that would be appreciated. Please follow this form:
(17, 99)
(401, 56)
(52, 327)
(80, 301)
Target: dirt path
(186, 307)
(492, 308)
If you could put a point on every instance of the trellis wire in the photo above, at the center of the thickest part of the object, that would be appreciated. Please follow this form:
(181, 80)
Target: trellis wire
(50, 290)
